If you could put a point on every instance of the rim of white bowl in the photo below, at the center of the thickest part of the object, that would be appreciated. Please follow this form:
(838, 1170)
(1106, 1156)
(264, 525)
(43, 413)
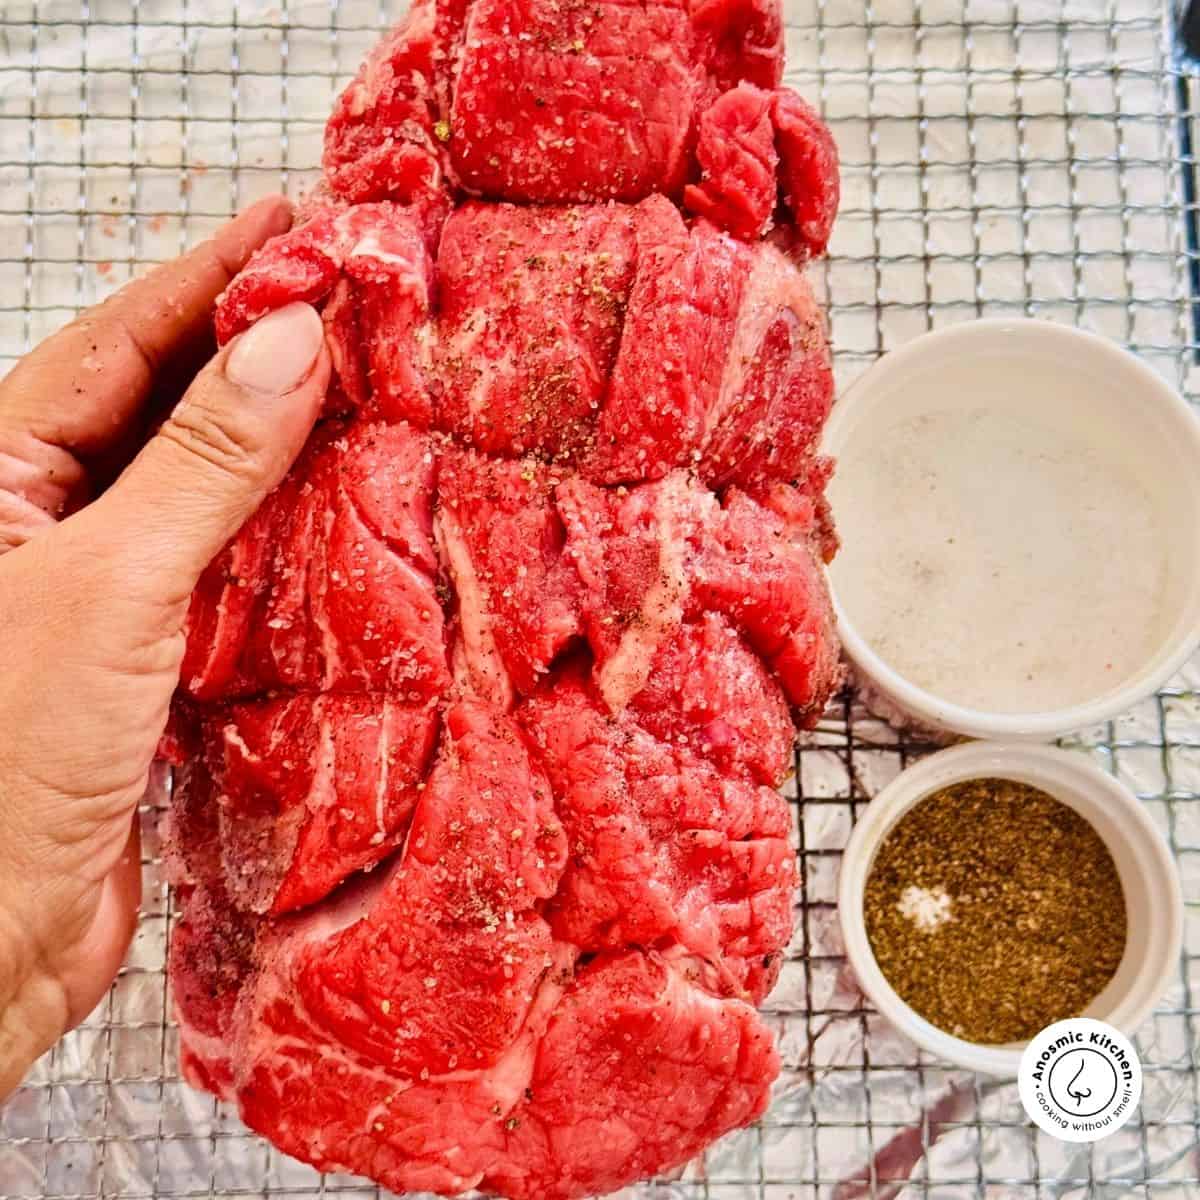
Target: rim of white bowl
(1045, 767)
(981, 723)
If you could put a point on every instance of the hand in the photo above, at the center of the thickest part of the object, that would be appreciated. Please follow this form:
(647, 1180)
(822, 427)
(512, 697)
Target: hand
(94, 587)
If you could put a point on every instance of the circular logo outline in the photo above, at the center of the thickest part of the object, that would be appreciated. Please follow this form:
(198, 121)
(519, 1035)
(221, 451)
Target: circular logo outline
(1041, 1087)
(1090, 1063)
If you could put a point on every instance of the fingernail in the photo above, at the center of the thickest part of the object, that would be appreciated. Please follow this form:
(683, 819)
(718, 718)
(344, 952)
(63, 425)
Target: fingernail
(277, 354)
(274, 212)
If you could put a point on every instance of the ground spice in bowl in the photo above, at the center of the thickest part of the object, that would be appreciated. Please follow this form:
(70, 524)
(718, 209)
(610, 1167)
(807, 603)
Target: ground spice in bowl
(994, 909)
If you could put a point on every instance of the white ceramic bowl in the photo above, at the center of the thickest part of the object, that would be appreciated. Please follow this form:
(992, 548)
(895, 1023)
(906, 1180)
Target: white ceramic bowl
(1149, 879)
(1103, 386)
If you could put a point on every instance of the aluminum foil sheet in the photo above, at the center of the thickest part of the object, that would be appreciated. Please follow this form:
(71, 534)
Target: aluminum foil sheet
(1000, 157)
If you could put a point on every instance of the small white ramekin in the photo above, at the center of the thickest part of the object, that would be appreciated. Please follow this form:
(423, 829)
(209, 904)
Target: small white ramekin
(1157, 425)
(1149, 879)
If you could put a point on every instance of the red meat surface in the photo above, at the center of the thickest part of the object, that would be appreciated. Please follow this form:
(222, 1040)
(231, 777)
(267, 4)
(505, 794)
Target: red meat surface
(503, 544)
(310, 788)
(530, 321)
(723, 367)
(638, 1066)
(475, 832)
(384, 137)
(332, 584)
(656, 556)
(738, 163)
(372, 262)
(708, 690)
(665, 850)
(757, 150)
(537, 100)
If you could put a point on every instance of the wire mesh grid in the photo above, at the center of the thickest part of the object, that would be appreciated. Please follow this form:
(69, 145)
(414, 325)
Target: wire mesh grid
(999, 157)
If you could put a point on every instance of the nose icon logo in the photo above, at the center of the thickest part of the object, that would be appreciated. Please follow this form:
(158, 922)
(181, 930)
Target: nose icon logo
(1075, 1091)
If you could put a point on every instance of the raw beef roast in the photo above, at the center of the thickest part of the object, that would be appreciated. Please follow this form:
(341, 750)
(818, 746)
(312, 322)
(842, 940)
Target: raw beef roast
(482, 865)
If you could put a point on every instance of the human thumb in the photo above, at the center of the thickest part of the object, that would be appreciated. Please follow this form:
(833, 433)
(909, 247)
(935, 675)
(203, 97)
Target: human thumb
(228, 443)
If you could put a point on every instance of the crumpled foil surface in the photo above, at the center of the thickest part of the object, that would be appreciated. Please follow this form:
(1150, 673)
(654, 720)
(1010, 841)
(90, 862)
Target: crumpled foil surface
(1000, 157)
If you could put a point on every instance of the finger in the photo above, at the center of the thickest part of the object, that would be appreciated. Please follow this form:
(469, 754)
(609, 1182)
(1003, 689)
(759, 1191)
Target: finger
(20, 520)
(38, 473)
(82, 387)
(39, 484)
(227, 444)
(172, 381)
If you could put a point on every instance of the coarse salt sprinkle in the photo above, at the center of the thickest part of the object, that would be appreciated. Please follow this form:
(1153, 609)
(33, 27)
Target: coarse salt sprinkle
(926, 908)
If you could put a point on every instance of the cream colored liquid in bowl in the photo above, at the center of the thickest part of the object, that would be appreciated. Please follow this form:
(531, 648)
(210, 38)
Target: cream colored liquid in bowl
(999, 552)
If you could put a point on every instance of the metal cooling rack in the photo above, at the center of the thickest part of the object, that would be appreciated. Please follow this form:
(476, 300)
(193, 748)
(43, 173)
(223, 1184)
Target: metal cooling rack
(999, 157)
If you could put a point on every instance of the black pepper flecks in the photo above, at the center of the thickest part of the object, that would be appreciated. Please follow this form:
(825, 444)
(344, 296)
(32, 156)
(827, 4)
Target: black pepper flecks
(1036, 922)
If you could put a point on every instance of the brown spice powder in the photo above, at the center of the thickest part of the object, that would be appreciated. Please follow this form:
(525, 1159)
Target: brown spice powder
(994, 910)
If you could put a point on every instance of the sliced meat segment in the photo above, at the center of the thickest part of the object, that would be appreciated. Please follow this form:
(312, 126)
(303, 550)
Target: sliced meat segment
(530, 319)
(331, 584)
(486, 841)
(665, 851)
(708, 690)
(638, 1071)
(212, 954)
(662, 553)
(723, 366)
(384, 137)
(221, 612)
(808, 170)
(372, 264)
(633, 552)
(305, 263)
(736, 154)
(758, 148)
(681, 314)
(764, 572)
(777, 384)
(391, 276)
(502, 540)
(574, 102)
(309, 789)
(426, 1131)
(330, 1108)
(741, 41)
(300, 265)
(414, 994)
(428, 985)
(349, 389)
